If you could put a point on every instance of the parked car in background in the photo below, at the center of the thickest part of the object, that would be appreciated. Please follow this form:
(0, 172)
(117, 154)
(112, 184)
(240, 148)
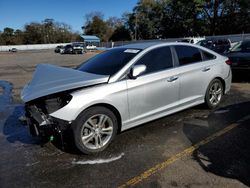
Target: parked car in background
(240, 56)
(13, 50)
(78, 47)
(192, 40)
(217, 45)
(91, 47)
(121, 88)
(73, 48)
(58, 49)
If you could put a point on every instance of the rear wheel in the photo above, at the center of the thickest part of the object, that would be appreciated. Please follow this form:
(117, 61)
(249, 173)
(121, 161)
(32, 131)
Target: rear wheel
(214, 93)
(94, 129)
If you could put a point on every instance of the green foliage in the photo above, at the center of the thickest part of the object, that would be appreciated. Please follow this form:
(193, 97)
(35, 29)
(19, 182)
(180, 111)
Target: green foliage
(97, 27)
(8, 35)
(179, 18)
(121, 33)
(149, 19)
(111, 29)
(48, 31)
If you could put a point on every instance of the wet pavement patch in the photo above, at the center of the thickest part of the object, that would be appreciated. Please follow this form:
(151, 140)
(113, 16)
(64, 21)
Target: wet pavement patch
(221, 111)
(1, 91)
(98, 161)
(5, 94)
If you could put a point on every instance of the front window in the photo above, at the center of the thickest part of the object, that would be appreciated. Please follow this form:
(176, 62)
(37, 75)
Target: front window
(109, 62)
(156, 60)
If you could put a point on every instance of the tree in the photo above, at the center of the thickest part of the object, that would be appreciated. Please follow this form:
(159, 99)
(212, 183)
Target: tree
(47, 31)
(181, 18)
(89, 16)
(226, 16)
(34, 34)
(19, 36)
(97, 26)
(8, 36)
(104, 29)
(114, 22)
(145, 19)
(121, 33)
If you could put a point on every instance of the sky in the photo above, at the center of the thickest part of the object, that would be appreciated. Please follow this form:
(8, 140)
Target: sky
(17, 13)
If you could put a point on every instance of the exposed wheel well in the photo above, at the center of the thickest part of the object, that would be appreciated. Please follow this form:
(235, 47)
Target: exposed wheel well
(114, 110)
(223, 83)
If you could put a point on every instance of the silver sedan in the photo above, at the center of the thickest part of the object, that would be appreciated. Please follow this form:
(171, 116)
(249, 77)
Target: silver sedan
(121, 88)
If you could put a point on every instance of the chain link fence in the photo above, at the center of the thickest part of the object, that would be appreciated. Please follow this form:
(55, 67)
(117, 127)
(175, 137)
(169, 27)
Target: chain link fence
(233, 38)
(102, 45)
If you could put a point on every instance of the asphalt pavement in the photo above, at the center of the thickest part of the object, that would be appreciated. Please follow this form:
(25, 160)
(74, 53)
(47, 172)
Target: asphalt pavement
(193, 148)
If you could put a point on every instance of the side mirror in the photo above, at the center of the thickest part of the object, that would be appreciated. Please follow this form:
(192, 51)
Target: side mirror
(137, 71)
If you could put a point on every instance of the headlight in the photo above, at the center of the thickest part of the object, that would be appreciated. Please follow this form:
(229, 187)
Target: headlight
(54, 103)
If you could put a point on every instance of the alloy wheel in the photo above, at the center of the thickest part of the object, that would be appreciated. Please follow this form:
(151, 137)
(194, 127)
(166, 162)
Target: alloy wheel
(215, 93)
(97, 131)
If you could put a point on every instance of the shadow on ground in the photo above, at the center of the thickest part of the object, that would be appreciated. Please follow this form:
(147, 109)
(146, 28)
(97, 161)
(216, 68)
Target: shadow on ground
(5, 94)
(15, 131)
(12, 127)
(241, 76)
(228, 155)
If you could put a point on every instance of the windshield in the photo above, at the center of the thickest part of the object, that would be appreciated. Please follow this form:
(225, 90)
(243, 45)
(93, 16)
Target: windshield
(109, 62)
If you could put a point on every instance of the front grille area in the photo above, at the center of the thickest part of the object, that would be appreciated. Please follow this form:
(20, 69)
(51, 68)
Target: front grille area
(41, 124)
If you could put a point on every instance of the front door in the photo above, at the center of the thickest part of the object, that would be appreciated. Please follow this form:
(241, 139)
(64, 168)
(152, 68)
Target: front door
(156, 90)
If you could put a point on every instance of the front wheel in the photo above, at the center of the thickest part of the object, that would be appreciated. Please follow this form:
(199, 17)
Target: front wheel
(214, 94)
(94, 129)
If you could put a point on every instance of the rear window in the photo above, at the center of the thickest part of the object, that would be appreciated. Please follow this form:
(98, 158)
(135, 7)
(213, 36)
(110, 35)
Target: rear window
(109, 62)
(188, 54)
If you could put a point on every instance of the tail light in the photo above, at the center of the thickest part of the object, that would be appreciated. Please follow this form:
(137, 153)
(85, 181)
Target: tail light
(229, 62)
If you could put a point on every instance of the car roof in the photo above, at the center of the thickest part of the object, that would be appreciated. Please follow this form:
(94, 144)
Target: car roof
(143, 45)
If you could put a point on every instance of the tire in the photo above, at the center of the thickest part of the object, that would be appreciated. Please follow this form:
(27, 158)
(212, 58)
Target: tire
(94, 129)
(214, 93)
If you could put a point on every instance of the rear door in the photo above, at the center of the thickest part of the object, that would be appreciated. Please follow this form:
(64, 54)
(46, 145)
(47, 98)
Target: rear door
(157, 89)
(194, 74)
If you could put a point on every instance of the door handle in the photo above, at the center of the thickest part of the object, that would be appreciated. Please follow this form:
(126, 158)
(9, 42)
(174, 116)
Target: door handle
(172, 78)
(205, 69)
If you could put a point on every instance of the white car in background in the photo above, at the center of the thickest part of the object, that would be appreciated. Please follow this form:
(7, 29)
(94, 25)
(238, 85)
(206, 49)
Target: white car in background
(192, 40)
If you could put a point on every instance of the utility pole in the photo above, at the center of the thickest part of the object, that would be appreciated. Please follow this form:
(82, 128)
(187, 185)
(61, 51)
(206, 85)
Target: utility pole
(135, 26)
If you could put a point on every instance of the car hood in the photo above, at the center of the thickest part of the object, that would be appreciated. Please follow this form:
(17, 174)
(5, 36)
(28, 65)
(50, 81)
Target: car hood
(50, 79)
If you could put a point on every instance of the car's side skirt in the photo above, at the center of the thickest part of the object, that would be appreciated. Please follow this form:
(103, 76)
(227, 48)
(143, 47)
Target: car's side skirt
(128, 125)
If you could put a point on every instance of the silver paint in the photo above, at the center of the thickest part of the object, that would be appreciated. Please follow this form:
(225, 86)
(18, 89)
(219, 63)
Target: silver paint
(138, 100)
(49, 79)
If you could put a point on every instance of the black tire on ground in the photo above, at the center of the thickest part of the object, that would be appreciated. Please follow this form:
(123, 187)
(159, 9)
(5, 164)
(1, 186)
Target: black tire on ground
(79, 129)
(211, 90)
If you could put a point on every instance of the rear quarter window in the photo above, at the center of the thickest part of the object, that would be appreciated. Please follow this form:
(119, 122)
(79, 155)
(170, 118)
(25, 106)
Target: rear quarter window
(188, 55)
(207, 56)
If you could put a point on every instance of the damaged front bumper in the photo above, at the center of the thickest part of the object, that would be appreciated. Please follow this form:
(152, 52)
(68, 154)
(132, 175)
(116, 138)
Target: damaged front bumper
(44, 125)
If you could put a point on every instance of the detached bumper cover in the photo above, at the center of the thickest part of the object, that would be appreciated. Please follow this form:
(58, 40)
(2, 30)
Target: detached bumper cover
(41, 124)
